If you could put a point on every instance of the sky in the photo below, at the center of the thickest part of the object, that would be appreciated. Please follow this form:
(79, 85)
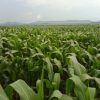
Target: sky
(27, 11)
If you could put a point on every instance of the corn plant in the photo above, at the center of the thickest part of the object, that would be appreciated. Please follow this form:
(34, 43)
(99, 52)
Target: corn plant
(59, 62)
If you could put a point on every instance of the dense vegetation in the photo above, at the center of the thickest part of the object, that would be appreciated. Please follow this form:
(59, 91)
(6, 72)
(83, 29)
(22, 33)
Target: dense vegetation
(50, 62)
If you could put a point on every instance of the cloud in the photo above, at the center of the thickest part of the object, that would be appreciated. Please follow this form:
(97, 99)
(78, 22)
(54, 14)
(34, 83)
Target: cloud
(38, 16)
(62, 3)
(32, 10)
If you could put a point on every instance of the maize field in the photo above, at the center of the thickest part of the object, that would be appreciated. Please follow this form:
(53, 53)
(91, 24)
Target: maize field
(53, 62)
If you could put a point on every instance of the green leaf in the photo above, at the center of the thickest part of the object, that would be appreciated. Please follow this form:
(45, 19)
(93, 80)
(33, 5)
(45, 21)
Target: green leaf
(97, 81)
(38, 54)
(3, 95)
(65, 97)
(69, 86)
(89, 55)
(40, 87)
(58, 63)
(56, 81)
(59, 96)
(74, 66)
(56, 94)
(24, 91)
(80, 87)
(9, 92)
(90, 93)
(85, 77)
(49, 68)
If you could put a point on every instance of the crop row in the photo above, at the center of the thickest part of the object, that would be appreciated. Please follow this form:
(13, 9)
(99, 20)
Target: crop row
(50, 62)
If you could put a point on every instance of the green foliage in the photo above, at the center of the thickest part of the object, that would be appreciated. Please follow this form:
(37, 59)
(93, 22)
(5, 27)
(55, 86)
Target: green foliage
(59, 62)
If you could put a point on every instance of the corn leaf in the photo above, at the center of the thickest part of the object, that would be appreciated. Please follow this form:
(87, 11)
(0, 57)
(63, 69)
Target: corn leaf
(24, 91)
(3, 95)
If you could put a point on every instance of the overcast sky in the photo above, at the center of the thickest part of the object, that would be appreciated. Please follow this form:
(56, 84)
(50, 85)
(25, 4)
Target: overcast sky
(38, 10)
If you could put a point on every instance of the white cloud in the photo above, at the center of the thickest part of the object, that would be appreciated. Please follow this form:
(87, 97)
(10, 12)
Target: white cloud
(34, 2)
(38, 16)
(65, 5)
(32, 10)
(61, 3)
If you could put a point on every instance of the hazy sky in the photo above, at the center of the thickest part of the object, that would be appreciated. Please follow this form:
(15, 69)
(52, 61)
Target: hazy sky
(38, 10)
